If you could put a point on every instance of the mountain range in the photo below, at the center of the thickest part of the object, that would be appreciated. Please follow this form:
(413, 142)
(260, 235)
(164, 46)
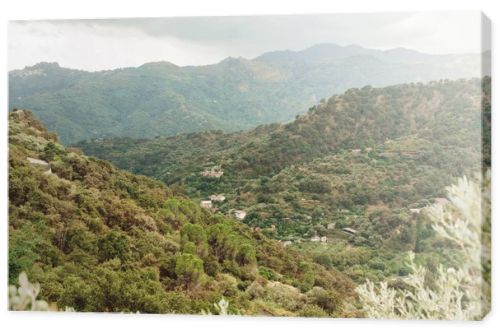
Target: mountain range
(160, 99)
(275, 184)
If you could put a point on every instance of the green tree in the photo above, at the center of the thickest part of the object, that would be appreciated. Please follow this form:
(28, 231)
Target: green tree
(114, 244)
(189, 270)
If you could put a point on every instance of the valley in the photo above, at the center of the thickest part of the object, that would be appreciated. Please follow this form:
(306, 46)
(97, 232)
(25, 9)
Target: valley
(349, 177)
(279, 185)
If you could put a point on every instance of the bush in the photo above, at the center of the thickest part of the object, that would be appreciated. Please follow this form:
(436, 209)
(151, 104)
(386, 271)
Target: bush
(114, 244)
(287, 296)
(189, 269)
(327, 300)
(456, 293)
(312, 311)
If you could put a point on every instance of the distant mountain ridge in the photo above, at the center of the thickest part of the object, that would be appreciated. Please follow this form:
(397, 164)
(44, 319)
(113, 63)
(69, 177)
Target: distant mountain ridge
(161, 98)
(330, 51)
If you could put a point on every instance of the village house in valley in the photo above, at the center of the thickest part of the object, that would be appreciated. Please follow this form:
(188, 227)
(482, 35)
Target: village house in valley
(239, 214)
(214, 172)
(217, 198)
(206, 204)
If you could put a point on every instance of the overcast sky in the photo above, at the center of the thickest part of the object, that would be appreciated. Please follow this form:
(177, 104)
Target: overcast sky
(107, 44)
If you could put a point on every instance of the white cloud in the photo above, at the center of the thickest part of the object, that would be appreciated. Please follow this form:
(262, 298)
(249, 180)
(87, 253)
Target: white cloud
(100, 47)
(107, 44)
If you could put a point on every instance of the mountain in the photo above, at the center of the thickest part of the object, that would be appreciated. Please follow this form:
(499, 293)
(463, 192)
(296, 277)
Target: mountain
(441, 112)
(236, 94)
(368, 160)
(99, 239)
(327, 52)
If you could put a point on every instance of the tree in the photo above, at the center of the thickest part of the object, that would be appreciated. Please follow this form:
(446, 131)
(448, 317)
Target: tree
(113, 245)
(196, 236)
(51, 150)
(189, 269)
(246, 254)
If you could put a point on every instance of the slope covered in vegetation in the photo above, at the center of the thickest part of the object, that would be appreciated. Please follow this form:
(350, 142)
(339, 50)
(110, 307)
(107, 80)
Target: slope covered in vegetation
(367, 161)
(444, 113)
(100, 239)
(235, 94)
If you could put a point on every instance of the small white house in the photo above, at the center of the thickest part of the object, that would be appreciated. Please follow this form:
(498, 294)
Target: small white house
(416, 211)
(206, 204)
(214, 172)
(330, 226)
(239, 214)
(218, 198)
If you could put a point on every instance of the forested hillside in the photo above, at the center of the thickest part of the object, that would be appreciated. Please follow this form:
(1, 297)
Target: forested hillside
(235, 94)
(100, 239)
(443, 114)
(346, 182)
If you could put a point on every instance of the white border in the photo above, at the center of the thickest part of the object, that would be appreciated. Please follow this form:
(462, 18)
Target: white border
(82, 323)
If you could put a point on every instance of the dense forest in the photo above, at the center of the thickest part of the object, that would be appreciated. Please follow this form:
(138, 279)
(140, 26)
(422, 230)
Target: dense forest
(443, 113)
(235, 94)
(303, 218)
(99, 239)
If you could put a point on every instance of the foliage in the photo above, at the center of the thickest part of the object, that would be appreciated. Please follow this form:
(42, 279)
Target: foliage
(369, 159)
(222, 308)
(356, 170)
(456, 293)
(24, 297)
(164, 99)
(100, 239)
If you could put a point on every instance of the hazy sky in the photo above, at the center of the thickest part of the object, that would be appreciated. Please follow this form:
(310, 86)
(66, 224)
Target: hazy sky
(113, 43)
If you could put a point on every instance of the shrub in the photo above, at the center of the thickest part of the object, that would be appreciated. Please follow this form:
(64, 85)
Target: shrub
(312, 311)
(456, 293)
(113, 245)
(327, 300)
(24, 298)
(285, 295)
(189, 269)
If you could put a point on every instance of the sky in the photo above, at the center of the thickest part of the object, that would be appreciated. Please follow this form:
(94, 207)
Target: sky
(101, 44)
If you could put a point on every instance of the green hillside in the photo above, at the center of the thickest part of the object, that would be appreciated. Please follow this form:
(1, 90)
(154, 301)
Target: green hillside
(100, 239)
(368, 160)
(444, 113)
(235, 94)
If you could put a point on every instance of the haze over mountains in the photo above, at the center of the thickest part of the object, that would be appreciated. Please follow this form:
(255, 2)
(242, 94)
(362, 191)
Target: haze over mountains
(235, 94)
